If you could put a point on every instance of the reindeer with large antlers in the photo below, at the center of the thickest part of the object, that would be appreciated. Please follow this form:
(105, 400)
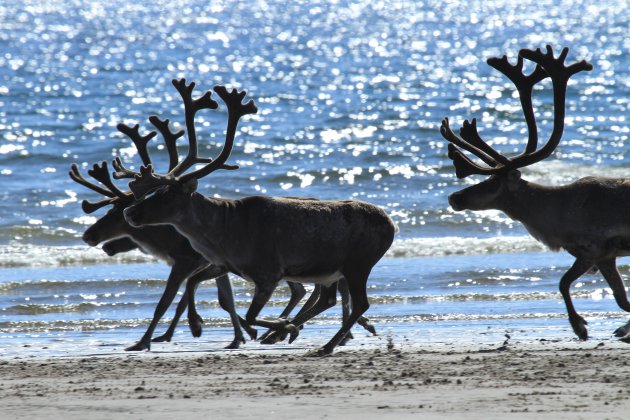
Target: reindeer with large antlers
(588, 218)
(163, 242)
(267, 239)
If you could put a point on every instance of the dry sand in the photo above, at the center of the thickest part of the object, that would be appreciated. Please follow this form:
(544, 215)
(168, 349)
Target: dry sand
(542, 379)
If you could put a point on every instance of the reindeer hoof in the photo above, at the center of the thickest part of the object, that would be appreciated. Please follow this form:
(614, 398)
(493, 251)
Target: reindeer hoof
(623, 331)
(319, 353)
(274, 337)
(139, 346)
(195, 324)
(295, 332)
(252, 332)
(366, 324)
(346, 339)
(166, 338)
(235, 344)
(579, 327)
(265, 335)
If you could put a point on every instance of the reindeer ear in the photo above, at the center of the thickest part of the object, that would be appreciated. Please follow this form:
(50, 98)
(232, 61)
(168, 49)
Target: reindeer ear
(190, 186)
(513, 177)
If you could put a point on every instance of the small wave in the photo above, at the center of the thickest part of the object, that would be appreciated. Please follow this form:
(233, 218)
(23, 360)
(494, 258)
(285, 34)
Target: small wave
(79, 285)
(454, 245)
(17, 255)
(83, 325)
(27, 255)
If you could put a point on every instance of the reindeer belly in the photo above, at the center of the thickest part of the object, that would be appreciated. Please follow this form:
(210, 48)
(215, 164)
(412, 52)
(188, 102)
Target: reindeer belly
(323, 279)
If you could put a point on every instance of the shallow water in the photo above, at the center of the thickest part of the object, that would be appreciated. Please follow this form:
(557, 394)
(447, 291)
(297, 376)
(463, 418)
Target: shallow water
(350, 98)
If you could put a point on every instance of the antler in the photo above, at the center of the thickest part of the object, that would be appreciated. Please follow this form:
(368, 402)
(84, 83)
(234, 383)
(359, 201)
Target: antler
(139, 141)
(78, 178)
(88, 206)
(191, 106)
(470, 140)
(147, 180)
(121, 171)
(236, 110)
(170, 139)
(101, 174)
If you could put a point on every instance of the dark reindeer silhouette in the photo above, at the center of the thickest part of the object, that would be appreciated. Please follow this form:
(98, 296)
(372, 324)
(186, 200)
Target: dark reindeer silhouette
(158, 241)
(588, 218)
(162, 242)
(266, 239)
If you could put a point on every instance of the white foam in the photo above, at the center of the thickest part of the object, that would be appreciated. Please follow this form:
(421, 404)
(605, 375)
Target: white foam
(28, 255)
(454, 245)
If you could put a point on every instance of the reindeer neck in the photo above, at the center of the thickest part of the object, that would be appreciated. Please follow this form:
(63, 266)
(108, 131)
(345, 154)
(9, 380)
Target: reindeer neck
(519, 202)
(528, 204)
(164, 242)
(203, 222)
(199, 214)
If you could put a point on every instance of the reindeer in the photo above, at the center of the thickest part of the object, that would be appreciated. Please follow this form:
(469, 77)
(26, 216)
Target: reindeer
(162, 242)
(588, 218)
(265, 239)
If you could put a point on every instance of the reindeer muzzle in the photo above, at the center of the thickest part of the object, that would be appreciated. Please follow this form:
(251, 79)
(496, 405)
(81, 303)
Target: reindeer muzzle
(456, 201)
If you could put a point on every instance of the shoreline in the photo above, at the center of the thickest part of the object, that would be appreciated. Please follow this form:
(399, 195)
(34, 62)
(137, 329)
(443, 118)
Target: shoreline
(532, 379)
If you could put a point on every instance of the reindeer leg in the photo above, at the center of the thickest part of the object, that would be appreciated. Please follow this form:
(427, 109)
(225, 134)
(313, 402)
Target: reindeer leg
(342, 286)
(357, 282)
(226, 300)
(273, 337)
(175, 279)
(297, 293)
(195, 321)
(262, 294)
(326, 297)
(578, 323)
(366, 324)
(168, 335)
(362, 321)
(614, 280)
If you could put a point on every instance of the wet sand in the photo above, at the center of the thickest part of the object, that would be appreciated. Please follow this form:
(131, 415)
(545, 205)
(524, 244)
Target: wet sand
(539, 379)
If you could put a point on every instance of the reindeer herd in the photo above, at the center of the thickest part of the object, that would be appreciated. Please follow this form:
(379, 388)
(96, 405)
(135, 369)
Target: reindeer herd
(331, 243)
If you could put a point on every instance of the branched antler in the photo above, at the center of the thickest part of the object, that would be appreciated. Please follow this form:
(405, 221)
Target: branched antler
(78, 178)
(147, 180)
(236, 109)
(546, 65)
(101, 174)
(191, 106)
(170, 139)
(88, 206)
(121, 170)
(141, 142)
(555, 66)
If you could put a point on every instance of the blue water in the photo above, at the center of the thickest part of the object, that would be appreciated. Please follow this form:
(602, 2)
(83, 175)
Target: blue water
(350, 98)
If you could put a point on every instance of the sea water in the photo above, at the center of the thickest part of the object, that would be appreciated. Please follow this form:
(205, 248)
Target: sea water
(350, 98)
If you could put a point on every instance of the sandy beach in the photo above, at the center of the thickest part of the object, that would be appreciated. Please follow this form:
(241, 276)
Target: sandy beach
(537, 379)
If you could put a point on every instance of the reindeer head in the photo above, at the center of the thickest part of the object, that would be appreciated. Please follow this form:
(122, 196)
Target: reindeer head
(504, 174)
(112, 224)
(486, 195)
(161, 196)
